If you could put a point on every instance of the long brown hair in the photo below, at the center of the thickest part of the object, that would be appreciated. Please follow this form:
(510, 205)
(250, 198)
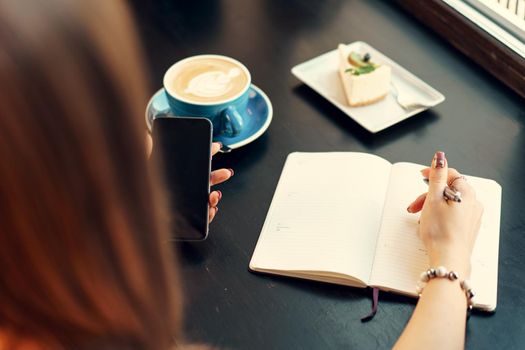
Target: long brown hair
(82, 259)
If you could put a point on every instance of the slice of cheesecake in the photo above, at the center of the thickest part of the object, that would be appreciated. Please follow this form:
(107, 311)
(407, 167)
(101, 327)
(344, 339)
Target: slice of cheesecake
(364, 82)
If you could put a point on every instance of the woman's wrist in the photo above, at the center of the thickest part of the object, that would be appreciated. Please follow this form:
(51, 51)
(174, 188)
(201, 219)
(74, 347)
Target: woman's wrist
(456, 261)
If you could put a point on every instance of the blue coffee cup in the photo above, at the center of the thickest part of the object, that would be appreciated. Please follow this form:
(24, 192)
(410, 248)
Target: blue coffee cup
(201, 96)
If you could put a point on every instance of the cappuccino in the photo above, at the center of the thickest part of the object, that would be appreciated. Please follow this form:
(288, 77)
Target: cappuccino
(207, 79)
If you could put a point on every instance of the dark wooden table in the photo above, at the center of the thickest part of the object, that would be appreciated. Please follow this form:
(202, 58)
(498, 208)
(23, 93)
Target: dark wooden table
(481, 127)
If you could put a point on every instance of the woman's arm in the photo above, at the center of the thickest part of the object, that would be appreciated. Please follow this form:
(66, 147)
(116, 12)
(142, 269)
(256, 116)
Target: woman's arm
(448, 230)
(438, 321)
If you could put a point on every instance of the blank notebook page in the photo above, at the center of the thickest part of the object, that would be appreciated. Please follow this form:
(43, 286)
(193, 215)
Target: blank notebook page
(325, 214)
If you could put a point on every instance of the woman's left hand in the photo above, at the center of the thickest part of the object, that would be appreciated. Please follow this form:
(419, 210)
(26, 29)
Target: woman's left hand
(216, 177)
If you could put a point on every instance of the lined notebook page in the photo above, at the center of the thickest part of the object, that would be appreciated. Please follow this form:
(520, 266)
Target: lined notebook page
(325, 215)
(401, 256)
(484, 275)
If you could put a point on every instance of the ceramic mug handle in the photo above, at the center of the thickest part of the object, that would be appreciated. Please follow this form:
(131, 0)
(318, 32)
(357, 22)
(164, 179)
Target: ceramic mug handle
(231, 122)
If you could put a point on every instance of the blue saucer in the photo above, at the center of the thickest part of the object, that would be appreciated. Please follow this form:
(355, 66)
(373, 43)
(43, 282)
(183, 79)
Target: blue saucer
(257, 116)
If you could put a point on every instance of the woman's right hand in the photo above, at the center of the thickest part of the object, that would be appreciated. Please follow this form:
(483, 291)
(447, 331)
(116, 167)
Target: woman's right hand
(448, 228)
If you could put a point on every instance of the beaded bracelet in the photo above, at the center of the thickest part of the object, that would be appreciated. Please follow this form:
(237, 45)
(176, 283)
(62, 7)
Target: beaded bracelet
(442, 272)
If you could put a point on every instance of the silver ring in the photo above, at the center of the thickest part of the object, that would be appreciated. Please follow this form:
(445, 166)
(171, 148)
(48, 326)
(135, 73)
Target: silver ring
(452, 194)
(451, 183)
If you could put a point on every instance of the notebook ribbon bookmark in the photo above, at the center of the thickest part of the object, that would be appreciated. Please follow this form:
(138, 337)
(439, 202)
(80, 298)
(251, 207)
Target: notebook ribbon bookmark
(375, 302)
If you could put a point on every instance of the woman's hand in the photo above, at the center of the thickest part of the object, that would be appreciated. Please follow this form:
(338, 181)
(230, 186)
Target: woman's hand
(217, 177)
(448, 229)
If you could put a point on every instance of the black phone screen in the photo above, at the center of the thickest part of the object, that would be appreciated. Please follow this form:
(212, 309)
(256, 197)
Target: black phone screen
(182, 146)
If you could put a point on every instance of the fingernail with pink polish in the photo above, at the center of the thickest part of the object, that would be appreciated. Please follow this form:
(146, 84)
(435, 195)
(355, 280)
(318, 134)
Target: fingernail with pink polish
(231, 171)
(440, 159)
(220, 194)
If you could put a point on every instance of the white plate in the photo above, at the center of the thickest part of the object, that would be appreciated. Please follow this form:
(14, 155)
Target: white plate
(321, 74)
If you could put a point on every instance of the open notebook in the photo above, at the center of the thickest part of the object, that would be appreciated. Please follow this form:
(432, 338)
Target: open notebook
(341, 218)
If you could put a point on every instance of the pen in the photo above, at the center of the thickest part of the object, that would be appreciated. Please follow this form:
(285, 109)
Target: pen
(448, 193)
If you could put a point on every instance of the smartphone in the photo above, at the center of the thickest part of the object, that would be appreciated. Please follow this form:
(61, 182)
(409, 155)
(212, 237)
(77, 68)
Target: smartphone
(182, 149)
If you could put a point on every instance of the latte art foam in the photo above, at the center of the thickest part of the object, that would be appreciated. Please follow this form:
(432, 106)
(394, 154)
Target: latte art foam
(208, 79)
(212, 84)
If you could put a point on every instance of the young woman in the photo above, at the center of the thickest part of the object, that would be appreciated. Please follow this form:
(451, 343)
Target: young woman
(83, 262)
(82, 254)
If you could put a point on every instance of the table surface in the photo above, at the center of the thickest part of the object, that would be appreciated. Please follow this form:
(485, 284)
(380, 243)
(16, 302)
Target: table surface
(480, 126)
